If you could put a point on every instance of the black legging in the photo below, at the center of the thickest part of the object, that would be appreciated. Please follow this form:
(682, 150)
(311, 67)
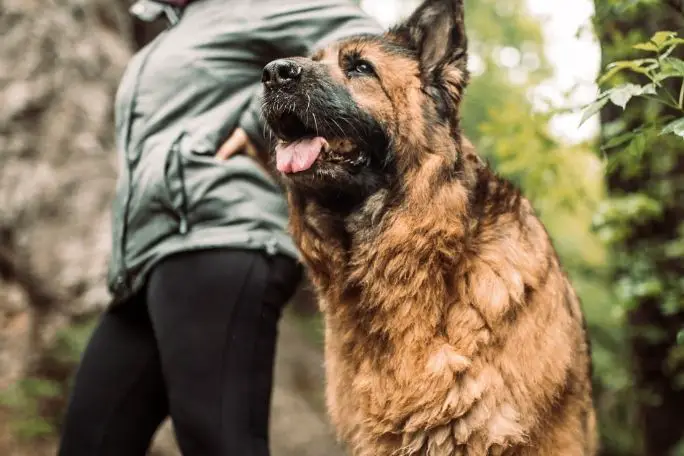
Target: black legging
(198, 344)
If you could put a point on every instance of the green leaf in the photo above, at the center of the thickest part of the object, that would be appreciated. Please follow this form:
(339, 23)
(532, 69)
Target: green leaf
(674, 65)
(35, 428)
(648, 89)
(618, 140)
(13, 397)
(669, 305)
(593, 108)
(674, 249)
(35, 387)
(634, 65)
(676, 127)
(609, 74)
(660, 38)
(666, 74)
(659, 41)
(621, 95)
(680, 337)
(648, 288)
(674, 41)
(646, 47)
(637, 147)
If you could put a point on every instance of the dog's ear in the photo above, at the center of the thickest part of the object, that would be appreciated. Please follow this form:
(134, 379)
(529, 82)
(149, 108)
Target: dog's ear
(436, 30)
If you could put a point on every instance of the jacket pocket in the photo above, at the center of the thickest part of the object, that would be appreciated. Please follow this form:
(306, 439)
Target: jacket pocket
(148, 213)
(204, 190)
(174, 178)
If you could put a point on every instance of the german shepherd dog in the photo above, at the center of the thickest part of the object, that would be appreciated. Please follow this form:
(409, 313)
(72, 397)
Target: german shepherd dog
(451, 328)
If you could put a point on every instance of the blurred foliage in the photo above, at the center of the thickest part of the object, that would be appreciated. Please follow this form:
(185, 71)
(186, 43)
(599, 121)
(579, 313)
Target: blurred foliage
(505, 45)
(601, 232)
(24, 400)
(566, 184)
(37, 401)
(642, 220)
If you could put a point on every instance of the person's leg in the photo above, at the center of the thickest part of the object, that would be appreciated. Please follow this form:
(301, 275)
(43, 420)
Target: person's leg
(118, 399)
(215, 315)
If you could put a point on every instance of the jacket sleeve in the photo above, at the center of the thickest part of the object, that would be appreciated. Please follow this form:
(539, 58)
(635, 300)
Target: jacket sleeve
(296, 29)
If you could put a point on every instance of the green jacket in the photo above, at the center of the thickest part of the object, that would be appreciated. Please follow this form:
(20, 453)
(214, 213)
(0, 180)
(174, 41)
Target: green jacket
(179, 99)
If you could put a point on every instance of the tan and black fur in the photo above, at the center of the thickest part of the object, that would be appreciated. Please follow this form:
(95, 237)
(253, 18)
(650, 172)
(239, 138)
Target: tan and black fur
(451, 328)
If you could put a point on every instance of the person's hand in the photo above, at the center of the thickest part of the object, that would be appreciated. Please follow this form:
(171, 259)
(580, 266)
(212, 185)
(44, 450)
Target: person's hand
(238, 143)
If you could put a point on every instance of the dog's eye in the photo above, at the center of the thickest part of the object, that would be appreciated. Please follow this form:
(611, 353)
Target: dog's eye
(363, 67)
(360, 68)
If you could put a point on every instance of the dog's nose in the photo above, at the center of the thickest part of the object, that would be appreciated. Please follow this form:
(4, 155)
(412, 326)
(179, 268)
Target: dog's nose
(280, 73)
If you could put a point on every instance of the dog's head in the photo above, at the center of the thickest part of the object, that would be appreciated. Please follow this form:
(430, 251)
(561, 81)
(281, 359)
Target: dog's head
(367, 109)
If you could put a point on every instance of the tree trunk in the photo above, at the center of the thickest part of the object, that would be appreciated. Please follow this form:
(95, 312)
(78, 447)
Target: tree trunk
(653, 331)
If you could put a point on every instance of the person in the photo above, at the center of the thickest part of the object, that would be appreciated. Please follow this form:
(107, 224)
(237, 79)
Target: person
(202, 264)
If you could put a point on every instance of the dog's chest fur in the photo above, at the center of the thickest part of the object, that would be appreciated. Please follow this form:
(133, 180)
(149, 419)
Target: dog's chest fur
(445, 335)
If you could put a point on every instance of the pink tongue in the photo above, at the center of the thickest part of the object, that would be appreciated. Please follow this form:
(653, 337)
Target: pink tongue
(300, 155)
